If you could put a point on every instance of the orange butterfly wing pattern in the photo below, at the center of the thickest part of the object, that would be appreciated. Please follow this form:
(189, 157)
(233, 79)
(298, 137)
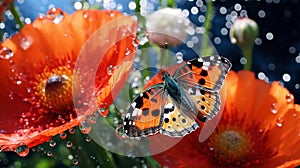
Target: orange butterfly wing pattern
(175, 122)
(206, 72)
(144, 115)
(182, 102)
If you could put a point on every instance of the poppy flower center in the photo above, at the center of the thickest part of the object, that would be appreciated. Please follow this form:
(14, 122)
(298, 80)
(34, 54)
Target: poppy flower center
(54, 89)
(231, 146)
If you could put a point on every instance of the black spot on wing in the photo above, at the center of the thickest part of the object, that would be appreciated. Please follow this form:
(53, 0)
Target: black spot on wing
(168, 110)
(204, 73)
(166, 120)
(155, 113)
(196, 63)
(201, 81)
(154, 100)
(145, 111)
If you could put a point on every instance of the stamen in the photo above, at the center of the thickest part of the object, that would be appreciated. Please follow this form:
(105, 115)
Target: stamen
(54, 89)
(231, 145)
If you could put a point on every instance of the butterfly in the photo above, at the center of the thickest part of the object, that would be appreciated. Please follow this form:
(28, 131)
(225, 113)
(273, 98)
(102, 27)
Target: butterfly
(181, 102)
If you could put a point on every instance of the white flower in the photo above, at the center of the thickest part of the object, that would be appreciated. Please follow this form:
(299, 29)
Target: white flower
(167, 25)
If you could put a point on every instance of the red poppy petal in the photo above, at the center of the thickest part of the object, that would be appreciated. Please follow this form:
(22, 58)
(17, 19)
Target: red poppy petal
(50, 41)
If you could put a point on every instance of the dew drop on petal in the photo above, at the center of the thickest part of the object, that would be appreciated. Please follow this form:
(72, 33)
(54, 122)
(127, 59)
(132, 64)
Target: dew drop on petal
(273, 108)
(69, 144)
(22, 150)
(56, 15)
(52, 143)
(72, 131)
(127, 51)
(211, 148)
(25, 43)
(289, 98)
(85, 127)
(63, 135)
(279, 122)
(110, 70)
(6, 53)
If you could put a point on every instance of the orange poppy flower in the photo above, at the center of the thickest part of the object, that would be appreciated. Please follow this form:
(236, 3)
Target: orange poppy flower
(259, 128)
(38, 77)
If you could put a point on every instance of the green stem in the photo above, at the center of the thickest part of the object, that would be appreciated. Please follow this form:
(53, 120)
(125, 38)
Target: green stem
(16, 15)
(171, 3)
(207, 24)
(247, 52)
(151, 162)
(138, 6)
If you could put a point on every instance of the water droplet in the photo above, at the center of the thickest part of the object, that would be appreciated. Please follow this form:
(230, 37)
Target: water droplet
(49, 153)
(72, 131)
(127, 51)
(279, 122)
(63, 135)
(85, 127)
(69, 144)
(52, 143)
(75, 161)
(56, 15)
(25, 43)
(273, 108)
(22, 150)
(110, 70)
(6, 53)
(211, 148)
(88, 139)
(289, 98)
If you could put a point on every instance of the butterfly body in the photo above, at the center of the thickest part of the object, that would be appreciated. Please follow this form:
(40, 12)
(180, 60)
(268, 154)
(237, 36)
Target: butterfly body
(176, 93)
(181, 102)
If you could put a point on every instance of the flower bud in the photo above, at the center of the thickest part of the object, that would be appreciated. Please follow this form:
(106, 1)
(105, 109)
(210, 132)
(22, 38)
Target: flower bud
(167, 25)
(243, 32)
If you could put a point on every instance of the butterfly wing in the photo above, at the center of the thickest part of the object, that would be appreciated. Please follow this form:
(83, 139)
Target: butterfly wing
(144, 116)
(208, 103)
(176, 121)
(206, 72)
(202, 78)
